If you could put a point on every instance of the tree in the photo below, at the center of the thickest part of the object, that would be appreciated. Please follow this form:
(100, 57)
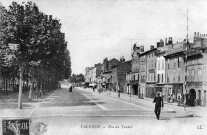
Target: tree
(77, 78)
(41, 46)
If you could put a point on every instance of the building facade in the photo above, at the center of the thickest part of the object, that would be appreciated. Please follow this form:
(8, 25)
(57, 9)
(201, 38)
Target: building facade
(107, 72)
(142, 75)
(151, 80)
(134, 82)
(197, 71)
(175, 70)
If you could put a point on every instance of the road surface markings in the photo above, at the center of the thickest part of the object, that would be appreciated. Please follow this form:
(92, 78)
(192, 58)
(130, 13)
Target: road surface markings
(38, 105)
(134, 104)
(127, 102)
(89, 115)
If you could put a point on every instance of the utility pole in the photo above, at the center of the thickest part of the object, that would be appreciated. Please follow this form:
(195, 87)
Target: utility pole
(186, 57)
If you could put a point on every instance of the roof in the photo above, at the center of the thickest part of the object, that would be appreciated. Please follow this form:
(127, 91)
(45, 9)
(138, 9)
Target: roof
(147, 52)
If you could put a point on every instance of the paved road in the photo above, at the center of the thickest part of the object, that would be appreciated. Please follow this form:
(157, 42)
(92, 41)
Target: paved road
(86, 112)
(81, 102)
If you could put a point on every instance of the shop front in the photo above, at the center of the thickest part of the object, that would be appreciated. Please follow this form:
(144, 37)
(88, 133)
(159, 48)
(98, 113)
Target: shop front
(150, 90)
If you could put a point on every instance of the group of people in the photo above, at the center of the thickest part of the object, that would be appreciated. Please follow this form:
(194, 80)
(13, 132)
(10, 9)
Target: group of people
(180, 99)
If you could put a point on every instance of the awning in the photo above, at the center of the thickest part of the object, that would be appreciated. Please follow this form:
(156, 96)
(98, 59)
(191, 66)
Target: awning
(92, 84)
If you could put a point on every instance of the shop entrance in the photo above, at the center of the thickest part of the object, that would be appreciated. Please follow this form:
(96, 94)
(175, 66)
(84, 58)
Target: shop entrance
(135, 89)
(191, 97)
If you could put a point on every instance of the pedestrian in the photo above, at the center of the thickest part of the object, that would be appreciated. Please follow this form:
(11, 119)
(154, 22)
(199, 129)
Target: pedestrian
(182, 99)
(70, 89)
(158, 100)
(171, 98)
(179, 100)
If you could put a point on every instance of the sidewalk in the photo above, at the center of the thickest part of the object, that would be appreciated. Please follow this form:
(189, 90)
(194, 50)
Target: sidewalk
(190, 111)
(10, 101)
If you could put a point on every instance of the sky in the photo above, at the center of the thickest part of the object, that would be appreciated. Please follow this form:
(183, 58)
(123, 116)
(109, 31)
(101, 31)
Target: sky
(96, 29)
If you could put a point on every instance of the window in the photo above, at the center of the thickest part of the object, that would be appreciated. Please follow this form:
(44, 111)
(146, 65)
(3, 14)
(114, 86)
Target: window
(173, 79)
(148, 77)
(174, 66)
(188, 75)
(158, 78)
(155, 64)
(167, 78)
(178, 62)
(200, 60)
(152, 76)
(192, 74)
(199, 74)
(178, 77)
(163, 64)
(162, 78)
(168, 65)
(158, 64)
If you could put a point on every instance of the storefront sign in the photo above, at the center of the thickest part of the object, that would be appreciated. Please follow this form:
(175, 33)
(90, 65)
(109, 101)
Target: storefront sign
(194, 84)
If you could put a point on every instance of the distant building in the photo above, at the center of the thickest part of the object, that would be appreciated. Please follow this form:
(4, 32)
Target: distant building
(175, 70)
(197, 71)
(107, 72)
(142, 74)
(119, 75)
(161, 68)
(151, 80)
(134, 82)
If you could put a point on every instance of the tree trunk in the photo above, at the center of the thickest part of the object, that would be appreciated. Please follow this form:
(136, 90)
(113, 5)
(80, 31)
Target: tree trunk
(21, 68)
(6, 84)
(31, 87)
(13, 86)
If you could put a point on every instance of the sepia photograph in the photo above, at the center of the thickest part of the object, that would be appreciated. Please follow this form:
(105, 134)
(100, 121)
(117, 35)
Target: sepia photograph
(103, 67)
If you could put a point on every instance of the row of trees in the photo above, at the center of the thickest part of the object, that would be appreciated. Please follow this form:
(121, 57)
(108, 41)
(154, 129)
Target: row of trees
(77, 78)
(33, 49)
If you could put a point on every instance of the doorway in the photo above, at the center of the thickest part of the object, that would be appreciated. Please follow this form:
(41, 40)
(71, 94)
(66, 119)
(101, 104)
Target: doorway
(192, 97)
(204, 99)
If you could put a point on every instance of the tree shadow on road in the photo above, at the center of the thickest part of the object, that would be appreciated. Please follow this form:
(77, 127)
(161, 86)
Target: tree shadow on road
(164, 118)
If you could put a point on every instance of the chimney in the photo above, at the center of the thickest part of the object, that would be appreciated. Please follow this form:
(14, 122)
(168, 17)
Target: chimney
(165, 41)
(170, 40)
(161, 43)
(151, 47)
(158, 44)
(142, 48)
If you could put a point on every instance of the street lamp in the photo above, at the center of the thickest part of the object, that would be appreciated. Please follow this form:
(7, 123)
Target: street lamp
(186, 57)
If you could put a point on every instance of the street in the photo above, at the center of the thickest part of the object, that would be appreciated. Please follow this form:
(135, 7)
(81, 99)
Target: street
(86, 112)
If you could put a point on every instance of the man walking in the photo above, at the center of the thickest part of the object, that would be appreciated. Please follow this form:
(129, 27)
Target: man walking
(158, 100)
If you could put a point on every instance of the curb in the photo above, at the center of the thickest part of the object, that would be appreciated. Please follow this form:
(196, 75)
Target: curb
(170, 111)
(104, 94)
(187, 116)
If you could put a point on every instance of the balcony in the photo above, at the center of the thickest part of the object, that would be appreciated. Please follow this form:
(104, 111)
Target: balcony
(134, 81)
